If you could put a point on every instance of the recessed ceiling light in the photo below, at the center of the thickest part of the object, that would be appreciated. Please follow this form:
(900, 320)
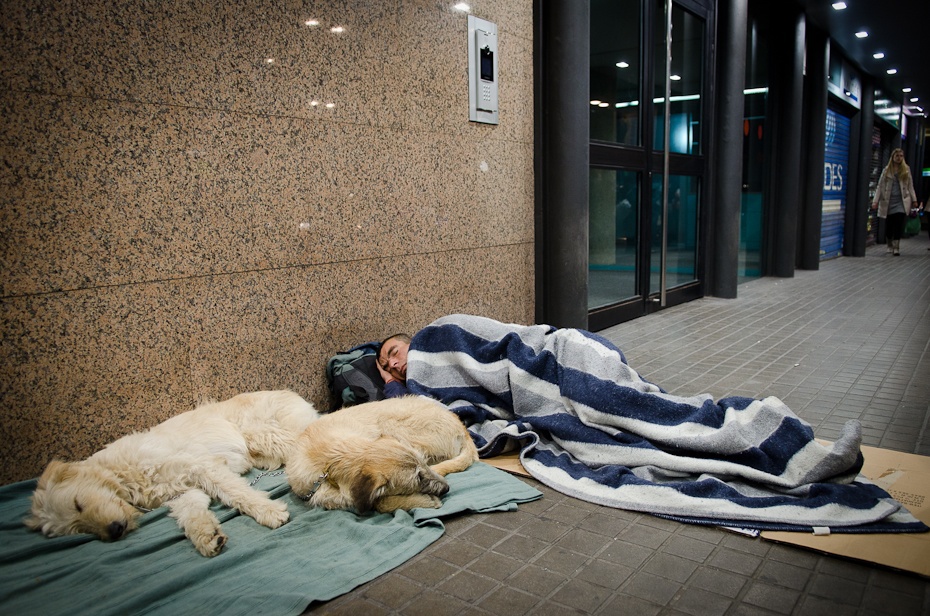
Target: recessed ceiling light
(861, 34)
(839, 6)
(622, 64)
(312, 22)
(915, 99)
(675, 77)
(595, 102)
(461, 6)
(892, 71)
(905, 90)
(878, 56)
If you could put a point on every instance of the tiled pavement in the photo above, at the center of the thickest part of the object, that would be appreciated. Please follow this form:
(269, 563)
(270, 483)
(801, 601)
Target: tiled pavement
(851, 340)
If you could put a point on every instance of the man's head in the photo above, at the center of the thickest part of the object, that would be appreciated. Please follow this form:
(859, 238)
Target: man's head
(392, 356)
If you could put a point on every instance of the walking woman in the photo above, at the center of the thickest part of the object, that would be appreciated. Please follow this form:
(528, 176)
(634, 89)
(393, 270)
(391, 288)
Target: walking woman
(894, 198)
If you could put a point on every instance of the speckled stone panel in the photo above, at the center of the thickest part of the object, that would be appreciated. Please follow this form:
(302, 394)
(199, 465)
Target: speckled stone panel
(276, 330)
(391, 63)
(83, 368)
(183, 215)
(105, 193)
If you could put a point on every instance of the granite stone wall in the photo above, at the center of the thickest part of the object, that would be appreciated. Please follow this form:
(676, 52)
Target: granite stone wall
(203, 198)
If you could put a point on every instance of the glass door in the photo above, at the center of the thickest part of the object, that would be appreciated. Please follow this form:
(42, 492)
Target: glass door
(644, 249)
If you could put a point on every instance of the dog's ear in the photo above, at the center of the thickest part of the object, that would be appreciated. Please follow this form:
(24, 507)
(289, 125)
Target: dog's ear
(33, 523)
(55, 472)
(367, 488)
(52, 473)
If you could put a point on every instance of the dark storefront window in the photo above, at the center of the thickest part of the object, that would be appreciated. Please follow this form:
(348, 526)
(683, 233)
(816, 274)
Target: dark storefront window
(615, 72)
(686, 76)
(754, 153)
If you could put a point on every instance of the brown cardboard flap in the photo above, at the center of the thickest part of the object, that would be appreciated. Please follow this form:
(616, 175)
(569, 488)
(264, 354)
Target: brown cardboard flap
(509, 462)
(907, 478)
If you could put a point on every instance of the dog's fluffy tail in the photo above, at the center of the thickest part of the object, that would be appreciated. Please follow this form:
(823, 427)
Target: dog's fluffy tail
(466, 457)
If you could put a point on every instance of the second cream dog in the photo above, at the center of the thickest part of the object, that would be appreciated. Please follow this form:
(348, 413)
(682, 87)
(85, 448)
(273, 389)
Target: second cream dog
(385, 455)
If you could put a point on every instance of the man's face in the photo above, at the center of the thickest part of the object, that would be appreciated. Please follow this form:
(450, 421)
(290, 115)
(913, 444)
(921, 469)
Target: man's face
(393, 358)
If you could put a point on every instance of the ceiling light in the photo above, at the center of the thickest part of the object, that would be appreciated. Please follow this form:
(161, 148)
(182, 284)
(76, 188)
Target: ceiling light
(602, 105)
(595, 102)
(675, 77)
(905, 90)
(839, 6)
(892, 71)
(878, 56)
(337, 29)
(623, 64)
(312, 22)
(861, 34)
(915, 99)
(461, 6)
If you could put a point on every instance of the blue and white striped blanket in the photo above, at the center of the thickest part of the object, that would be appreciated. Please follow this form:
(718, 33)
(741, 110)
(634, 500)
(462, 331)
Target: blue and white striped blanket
(589, 426)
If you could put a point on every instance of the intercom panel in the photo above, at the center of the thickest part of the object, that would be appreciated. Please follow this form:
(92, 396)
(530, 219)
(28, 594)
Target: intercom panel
(482, 70)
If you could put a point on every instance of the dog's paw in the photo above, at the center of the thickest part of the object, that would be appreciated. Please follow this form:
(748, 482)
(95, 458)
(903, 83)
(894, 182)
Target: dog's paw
(435, 486)
(273, 514)
(408, 502)
(434, 501)
(210, 544)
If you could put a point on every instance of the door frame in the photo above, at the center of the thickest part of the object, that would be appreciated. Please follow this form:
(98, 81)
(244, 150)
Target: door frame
(647, 162)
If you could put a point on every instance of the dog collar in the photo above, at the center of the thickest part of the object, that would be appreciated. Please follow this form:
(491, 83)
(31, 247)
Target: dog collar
(316, 486)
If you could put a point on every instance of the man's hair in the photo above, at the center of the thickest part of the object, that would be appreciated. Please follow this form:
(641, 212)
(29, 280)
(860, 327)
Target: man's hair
(401, 337)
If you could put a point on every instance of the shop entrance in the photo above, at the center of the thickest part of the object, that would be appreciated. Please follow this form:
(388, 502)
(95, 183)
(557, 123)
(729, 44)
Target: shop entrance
(649, 81)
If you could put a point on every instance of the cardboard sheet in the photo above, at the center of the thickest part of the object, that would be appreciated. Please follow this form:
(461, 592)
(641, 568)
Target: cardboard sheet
(905, 476)
(509, 462)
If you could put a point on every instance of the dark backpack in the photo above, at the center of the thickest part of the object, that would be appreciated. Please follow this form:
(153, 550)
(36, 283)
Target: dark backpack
(353, 376)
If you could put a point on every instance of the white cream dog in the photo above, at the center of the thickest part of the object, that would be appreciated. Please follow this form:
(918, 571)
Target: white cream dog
(182, 463)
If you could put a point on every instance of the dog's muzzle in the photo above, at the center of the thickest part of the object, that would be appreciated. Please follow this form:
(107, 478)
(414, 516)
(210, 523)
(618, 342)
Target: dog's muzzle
(116, 529)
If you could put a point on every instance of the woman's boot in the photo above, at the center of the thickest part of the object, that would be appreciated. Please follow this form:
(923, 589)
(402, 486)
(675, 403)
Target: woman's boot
(889, 241)
(897, 246)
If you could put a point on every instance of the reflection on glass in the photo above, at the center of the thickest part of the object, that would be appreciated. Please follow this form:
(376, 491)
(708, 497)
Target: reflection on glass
(613, 216)
(681, 254)
(615, 72)
(754, 134)
(686, 82)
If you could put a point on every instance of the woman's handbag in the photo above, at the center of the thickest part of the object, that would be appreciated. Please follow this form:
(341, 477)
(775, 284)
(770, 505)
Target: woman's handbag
(913, 223)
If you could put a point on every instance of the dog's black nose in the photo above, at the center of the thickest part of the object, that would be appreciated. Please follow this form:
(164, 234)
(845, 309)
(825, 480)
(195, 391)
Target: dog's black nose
(116, 529)
(443, 490)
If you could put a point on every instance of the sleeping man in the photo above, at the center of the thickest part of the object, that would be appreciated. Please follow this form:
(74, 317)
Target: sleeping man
(392, 365)
(588, 425)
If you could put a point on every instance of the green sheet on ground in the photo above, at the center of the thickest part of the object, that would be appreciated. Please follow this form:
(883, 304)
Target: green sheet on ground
(316, 556)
